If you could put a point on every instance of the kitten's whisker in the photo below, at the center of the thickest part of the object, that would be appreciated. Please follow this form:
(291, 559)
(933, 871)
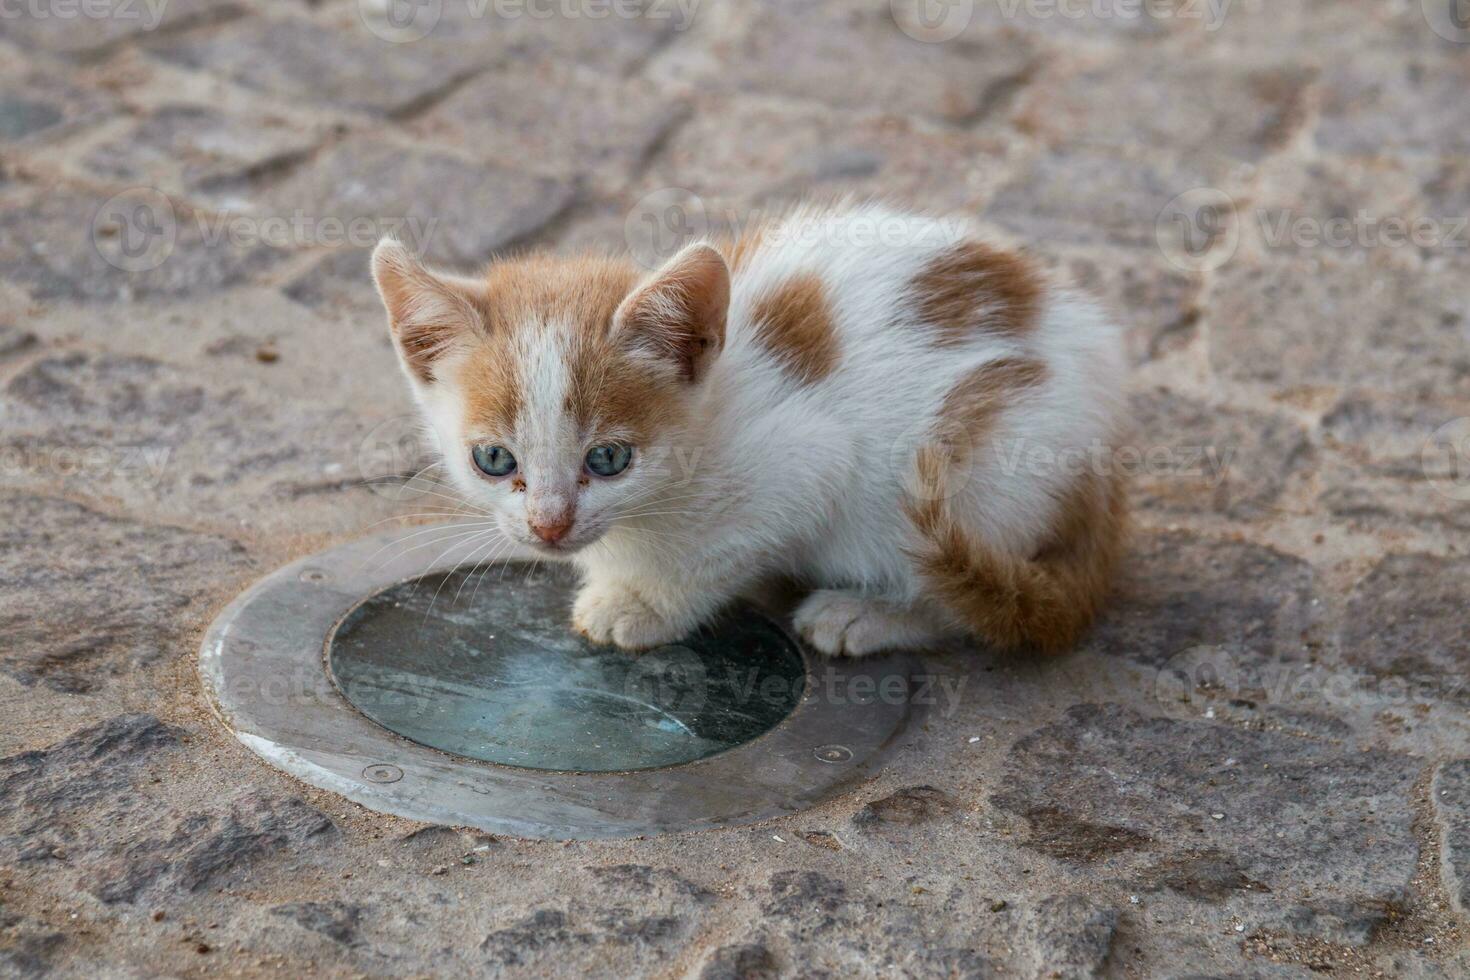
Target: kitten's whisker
(664, 500)
(491, 548)
(644, 493)
(641, 520)
(654, 508)
(632, 520)
(445, 579)
(666, 489)
(667, 529)
(413, 531)
(488, 564)
(463, 540)
(651, 505)
(452, 497)
(421, 514)
(461, 531)
(678, 511)
(388, 479)
(418, 484)
(667, 545)
(417, 530)
(662, 539)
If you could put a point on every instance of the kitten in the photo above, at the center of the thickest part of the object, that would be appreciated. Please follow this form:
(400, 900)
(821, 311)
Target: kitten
(880, 405)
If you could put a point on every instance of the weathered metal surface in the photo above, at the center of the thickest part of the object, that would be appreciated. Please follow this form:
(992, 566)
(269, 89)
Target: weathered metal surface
(496, 675)
(263, 662)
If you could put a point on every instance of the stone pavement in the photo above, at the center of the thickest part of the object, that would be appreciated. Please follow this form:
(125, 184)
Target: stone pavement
(1258, 764)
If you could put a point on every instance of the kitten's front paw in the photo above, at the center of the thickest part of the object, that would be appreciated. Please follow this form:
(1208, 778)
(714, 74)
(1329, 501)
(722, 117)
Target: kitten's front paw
(618, 615)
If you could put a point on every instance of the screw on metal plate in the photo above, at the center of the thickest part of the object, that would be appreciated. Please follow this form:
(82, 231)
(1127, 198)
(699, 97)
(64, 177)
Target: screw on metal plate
(315, 576)
(381, 772)
(833, 753)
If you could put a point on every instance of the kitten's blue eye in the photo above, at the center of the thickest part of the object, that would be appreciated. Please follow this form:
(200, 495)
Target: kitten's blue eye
(609, 460)
(494, 460)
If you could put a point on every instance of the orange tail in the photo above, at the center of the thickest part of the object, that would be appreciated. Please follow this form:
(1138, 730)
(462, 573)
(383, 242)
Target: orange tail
(1043, 602)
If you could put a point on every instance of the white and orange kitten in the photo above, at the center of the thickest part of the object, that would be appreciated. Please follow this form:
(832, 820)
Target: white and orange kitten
(879, 405)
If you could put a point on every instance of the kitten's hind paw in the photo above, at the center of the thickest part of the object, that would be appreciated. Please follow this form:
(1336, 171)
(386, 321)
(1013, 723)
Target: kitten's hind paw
(618, 615)
(847, 624)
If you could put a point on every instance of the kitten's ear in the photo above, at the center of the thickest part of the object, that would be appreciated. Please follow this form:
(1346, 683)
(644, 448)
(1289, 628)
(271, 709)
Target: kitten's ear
(428, 312)
(680, 312)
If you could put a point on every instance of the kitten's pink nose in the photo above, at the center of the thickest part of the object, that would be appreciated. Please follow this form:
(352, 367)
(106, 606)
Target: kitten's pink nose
(554, 531)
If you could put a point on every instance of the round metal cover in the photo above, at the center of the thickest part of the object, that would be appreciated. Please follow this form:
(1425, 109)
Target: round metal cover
(464, 698)
(498, 677)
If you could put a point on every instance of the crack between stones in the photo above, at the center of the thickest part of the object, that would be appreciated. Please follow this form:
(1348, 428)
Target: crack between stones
(999, 92)
(423, 103)
(191, 22)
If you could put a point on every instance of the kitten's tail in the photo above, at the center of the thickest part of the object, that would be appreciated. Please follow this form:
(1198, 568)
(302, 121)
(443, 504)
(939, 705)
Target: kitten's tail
(1043, 602)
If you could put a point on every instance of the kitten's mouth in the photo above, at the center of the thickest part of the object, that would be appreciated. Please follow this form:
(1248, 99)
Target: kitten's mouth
(560, 548)
(566, 544)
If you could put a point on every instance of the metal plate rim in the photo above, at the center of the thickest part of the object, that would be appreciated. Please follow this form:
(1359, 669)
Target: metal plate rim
(277, 629)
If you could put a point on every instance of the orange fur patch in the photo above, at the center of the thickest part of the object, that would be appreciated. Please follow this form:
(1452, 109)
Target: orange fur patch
(972, 407)
(535, 293)
(680, 313)
(794, 323)
(1044, 602)
(421, 348)
(535, 290)
(491, 390)
(739, 250)
(612, 391)
(972, 286)
(609, 389)
(429, 314)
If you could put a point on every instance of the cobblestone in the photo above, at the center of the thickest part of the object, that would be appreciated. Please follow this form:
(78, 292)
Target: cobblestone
(200, 153)
(449, 208)
(297, 59)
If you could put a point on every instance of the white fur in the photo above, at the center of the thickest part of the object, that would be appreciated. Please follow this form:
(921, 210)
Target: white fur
(774, 477)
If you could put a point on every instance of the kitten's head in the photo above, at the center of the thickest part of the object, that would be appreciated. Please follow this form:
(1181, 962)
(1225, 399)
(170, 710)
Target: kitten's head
(556, 387)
